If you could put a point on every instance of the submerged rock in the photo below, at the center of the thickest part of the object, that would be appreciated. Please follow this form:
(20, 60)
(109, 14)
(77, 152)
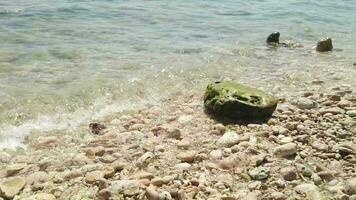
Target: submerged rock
(324, 44)
(230, 99)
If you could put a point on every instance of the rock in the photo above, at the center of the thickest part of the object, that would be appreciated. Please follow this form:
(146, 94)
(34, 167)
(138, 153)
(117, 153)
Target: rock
(185, 119)
(278, 196)
(15, 168)
(324, 44)
(118, 165)
(259, 173)
(319, 146)
(228, 139)
(351, 113)
(306, 171)
(67, 175)
(157, 181)
(305, 103)
(289, 173)
(350, 187)
(326, 175)
(43, 196)
(183, 144)
(273, 37)
(145, 158)
(143, 175)
(37, 177)
(183, 166)
(216, 154)
(316, 179)
(285, 150)
(5, 157)
(174, 133)
(187, 156)
(219, 128)
(230, 99)
(305, 188)
(151, 193)
(252, 196)
(11, 187)
(165, 196)
(96, 128)
(92, 177)
(104, 194)
(126, 187)
(332, 110)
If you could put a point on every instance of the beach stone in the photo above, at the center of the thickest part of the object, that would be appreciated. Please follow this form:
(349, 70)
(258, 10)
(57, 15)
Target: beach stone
(319, 146)
(157, 181)
(230, 99)
(92, 177)
(187, 156)
(324, 44)
(350, 187)
(126, 187)
(104, 194)
(351, 113)
(278, 196)
(216, 154)
(42, 196)
(164, 195)
(37, 177)
(332, 110)
(5, 157)
(15, 168)
(183, 166)
(289, 173)
(285, 150)
(11, 187)
(305, 188)
(259, 173)
(174, 133)
(228, 139)
(151, 193)
(118, 165)
(305, 103)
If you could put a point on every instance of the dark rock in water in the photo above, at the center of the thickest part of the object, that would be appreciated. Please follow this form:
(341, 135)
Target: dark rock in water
(324, 45)
(96, 128)
(230, 99)
(273, 38)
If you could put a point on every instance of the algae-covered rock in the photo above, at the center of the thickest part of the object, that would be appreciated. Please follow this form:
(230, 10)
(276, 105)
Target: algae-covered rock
(230, 99)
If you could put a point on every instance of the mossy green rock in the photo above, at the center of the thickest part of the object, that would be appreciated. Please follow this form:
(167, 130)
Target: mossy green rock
(230, 99)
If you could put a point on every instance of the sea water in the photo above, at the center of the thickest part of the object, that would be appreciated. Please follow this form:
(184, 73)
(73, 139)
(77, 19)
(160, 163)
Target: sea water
(64, 63)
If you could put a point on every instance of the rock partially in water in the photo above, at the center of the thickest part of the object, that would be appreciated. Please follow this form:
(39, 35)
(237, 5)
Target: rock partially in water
(11, 187)
(324, 44)
(230, 99)
(273, 37)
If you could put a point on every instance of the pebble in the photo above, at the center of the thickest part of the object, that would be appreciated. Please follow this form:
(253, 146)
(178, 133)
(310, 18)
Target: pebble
(187, 156)
(228, 139)
(164, 195)
(285, 150)
(333, 110)
(42, 196)
(289, 173)
(220, 128)
(305, 103)
(305, 188)
(157, 181)
(151, 193)
(319, 146)
(185, 119)
(278, 196)
(252, 196)
(183, 166)
(11, 187)
(104, 194)
(145, 158)
(183, 144)
(259, 173)
(5, 157)
(92, 177)
(127, 187)
(118, 165)
(174, 133)
(216, 154)
(15, 168)
(351, 113)
(37, 177)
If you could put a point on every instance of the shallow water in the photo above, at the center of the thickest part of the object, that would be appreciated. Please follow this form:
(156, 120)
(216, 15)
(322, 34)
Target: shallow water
(64, 63)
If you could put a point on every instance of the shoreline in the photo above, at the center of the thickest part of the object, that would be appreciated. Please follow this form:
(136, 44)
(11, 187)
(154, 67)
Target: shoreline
(172, 151)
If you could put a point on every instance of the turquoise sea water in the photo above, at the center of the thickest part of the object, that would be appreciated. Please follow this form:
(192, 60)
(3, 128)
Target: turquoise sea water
(64, 63)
